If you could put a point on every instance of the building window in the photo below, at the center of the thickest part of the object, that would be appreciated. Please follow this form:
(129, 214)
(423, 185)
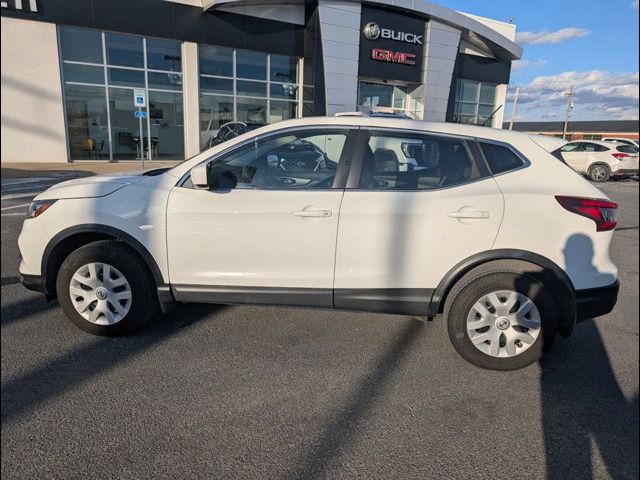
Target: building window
(243, 86)
(382, 97)
(100, 71)
(590, 136)
(475, 102)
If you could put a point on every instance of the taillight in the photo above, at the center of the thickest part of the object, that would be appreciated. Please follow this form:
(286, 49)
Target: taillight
(598, 210)
(620, 156)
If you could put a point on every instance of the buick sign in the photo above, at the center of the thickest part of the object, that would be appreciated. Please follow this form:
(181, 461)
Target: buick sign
(372, 31)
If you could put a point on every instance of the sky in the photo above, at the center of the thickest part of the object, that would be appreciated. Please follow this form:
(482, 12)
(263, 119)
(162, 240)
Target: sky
(589, 43)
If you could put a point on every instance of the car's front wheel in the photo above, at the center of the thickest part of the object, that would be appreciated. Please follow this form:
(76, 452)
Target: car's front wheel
(106, 289)
(501, 320)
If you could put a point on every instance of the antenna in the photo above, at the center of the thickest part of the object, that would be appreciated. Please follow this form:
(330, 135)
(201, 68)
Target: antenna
(484, 124)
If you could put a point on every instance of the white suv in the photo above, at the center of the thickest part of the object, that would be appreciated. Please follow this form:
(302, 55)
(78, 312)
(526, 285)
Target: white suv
(601, 160)
(350, 213)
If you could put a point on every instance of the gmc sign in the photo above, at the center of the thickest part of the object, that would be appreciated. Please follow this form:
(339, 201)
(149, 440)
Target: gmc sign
(391, 45)
(393, 57)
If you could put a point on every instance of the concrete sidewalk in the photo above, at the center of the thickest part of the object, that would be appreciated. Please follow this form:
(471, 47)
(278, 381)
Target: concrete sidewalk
(76, 169)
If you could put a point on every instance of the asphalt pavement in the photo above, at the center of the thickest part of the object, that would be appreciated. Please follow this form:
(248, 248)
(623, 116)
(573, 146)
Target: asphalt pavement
(272, 393)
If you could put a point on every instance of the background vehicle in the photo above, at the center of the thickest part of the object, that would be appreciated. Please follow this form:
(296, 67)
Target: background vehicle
(601, 160)
(227, 132)
(351, 213)
(627, 141)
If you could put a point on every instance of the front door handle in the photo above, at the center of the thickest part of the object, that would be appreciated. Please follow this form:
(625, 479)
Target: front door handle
(478, 214)
(313, 213)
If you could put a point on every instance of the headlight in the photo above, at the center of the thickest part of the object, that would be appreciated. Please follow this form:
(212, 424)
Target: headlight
(38, 207)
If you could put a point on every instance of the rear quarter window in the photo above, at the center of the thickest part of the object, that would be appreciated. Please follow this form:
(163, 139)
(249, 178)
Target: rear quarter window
(500, 159)
(627, 149)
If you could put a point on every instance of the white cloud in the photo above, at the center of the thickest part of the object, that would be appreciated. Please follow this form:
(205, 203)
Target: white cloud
(522, 64)
(597, 95)
(547, 37)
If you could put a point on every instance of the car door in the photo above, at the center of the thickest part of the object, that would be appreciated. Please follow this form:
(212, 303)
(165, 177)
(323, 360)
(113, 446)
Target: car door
(400, 231)
(266, 231)
(574, 155)
(593, 153)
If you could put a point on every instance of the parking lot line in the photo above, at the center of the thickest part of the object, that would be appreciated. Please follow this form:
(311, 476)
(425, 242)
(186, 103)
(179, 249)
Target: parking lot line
(22, 205)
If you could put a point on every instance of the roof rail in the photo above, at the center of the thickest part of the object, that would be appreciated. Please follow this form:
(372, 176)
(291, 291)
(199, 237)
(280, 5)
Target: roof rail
(372, 113)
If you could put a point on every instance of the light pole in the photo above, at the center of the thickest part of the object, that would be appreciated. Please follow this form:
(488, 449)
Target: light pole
(514, 111)
(569, 95)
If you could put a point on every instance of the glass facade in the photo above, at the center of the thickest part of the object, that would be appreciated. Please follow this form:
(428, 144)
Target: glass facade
(382, 97)
(475, 102)
(100, 71)
(251, 87)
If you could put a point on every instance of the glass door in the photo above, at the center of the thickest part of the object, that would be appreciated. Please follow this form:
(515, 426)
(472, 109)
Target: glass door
(128, 133)
(166, 123)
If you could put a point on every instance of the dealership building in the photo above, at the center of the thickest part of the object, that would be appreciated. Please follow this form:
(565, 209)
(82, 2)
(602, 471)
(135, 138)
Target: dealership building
(114, 80)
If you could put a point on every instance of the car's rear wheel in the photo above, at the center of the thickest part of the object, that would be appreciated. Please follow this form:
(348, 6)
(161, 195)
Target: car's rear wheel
(106, 289)
(501, 320)
(599, 173)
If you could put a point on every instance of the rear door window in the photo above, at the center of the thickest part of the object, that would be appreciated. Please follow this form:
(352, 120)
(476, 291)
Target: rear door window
(593, 147)
(407, 161)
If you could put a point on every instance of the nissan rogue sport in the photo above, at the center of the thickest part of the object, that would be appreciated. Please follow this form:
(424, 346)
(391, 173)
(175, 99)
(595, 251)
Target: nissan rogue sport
(485, 226)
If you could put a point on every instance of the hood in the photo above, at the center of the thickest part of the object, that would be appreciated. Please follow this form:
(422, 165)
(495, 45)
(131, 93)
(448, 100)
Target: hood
(92, 187)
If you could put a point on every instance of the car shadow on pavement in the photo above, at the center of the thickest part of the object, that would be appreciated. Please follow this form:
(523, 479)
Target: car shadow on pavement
(583, 406)
(343, 428)
(23, 394)
(14, 311)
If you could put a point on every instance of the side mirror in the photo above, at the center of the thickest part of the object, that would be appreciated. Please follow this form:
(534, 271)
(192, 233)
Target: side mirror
(203, 176)
(199, 176)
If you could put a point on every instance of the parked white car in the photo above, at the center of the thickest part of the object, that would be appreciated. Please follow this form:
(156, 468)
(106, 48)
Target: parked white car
(353, 213)
(627, 141)
(601, 160)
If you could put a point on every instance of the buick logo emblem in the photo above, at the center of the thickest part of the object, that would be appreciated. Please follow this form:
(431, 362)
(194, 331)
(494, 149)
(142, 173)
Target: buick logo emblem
(371, 31)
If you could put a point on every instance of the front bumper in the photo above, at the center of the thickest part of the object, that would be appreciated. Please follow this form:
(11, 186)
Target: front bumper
(595, 302)
(33, 282)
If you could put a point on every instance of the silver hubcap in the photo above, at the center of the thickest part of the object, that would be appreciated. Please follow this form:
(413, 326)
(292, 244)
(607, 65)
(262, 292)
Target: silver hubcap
(503, 323)
(599, 173)
(100, 293)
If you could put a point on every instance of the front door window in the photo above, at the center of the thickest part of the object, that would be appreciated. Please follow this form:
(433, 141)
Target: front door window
(306, 159)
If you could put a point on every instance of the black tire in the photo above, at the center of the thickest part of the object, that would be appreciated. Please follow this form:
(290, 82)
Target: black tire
(599, 173)
(474, 286)
(144, 301)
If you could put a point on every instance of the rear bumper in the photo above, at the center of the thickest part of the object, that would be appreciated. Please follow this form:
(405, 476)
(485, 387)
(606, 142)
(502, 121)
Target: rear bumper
(596, 302)
(626, 171)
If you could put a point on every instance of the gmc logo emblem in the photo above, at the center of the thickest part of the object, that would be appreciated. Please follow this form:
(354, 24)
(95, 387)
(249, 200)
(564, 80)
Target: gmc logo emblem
(383, 55)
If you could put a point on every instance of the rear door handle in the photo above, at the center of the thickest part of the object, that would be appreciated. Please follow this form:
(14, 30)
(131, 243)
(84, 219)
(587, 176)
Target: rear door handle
(313, 213)
(479, 214)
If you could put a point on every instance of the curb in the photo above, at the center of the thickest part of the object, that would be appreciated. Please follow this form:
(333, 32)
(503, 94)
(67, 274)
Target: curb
(19, 173)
